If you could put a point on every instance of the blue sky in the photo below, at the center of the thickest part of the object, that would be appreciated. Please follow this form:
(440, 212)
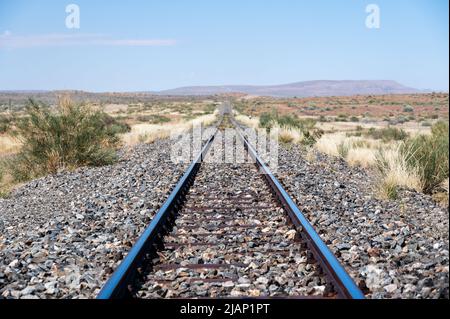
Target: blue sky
(152, 45)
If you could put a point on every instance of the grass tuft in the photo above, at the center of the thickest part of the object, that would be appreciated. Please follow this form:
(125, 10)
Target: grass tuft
(429, 154)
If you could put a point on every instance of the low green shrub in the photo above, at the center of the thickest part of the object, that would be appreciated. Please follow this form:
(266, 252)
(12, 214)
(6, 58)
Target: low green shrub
(153, 119)
(387, 134)
(72, 136)
(5, 123)
(408, 109)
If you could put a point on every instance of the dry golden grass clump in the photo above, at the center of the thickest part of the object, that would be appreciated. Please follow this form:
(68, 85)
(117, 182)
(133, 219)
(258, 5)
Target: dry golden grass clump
(287, 134)
(251, 122)
(395, 172)
(8, 145)
(418, 162)
(356, 150)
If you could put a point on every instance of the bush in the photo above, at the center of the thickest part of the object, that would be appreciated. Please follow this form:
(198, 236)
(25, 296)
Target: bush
(429, 154)
(309, 139)
(341, 118)
(265, 120)
(408, 109)
(304, 126)
(402, 119)
(5, 123)
(387, 134)
(115, 125)
(323, 119)
(74, 136)
(153, 119)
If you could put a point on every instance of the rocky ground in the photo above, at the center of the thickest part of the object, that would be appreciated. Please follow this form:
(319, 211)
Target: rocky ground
(393, 249)
(61, 236)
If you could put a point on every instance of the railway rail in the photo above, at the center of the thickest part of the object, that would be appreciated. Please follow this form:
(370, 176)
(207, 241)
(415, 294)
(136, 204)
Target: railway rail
(226, 231)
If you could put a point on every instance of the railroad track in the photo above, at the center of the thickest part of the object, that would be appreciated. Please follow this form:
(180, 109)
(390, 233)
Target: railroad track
(228, 231)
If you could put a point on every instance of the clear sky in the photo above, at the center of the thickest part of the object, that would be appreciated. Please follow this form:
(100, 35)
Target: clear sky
(152, 45)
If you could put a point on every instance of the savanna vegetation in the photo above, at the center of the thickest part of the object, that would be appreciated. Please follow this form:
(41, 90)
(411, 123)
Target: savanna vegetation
(403, 146)
(40, 139)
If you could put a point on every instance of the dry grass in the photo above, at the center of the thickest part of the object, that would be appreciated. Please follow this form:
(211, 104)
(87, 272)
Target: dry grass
(445, 185)
(362, 156)
(412, 128)
(442, 196)
(395, 172)
(287, 134)
(311, 155)
(8, 145)
(329, 143)
(356, 150)
(367, 153)
(148, 133)
(251, 122)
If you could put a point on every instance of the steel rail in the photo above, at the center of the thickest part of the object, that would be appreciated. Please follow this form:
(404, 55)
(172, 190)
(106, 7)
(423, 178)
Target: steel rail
(118, 285)
(341, 280)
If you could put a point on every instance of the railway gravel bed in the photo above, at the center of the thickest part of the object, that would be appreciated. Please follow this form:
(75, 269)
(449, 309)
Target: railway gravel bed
(62, 236)
(393, 249)
(231, 239)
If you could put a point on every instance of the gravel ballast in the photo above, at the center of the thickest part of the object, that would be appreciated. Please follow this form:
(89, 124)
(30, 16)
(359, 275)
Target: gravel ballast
(231, 239)
(62, 236)
(393, 249)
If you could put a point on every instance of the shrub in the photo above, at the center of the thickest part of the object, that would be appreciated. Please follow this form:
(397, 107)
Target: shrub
(115, 124)
(208, 109)
(341, 118)
(74, 136)
(429, 154)
(153, 119)
(388, 134)
(5, 123)
(293, 128)
(408, 109)
(309, 139)
(265, 120)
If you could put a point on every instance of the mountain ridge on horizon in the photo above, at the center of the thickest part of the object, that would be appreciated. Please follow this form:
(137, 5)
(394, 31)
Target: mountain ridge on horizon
(301, 89)
(314, 88)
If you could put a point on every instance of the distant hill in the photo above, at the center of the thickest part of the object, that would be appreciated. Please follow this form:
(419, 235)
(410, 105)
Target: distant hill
(301, 89)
